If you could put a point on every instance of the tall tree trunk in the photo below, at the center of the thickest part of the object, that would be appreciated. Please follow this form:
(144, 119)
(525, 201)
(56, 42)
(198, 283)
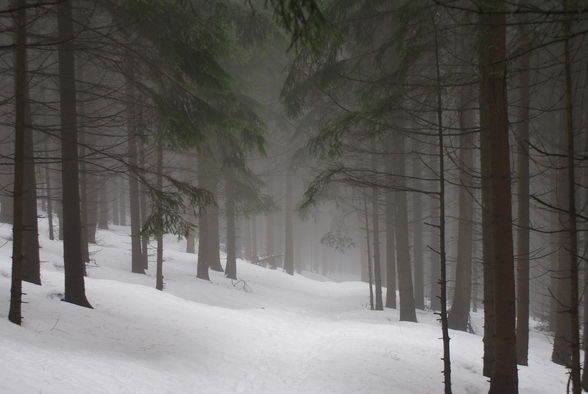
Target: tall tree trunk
(254, 250)
(159, 262)
(31, 266)
(572, 235)
(203, 221)
(114, 193)
(442, 229)
(405, 286)
(369, 254)
(103, 211)
(214, 237)
(20, 82)
(143, 200)
(134, 204)
(523, 249)
(390, 247)
(72, 251)
(48, 184)
(493, 110)
(83, 196)
(231, 266)
(288, 236)
(379, 305)
(122, 211)
(417, 234)
(460, 307)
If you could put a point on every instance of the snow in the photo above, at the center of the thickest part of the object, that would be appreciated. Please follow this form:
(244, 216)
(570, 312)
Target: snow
(277, 334)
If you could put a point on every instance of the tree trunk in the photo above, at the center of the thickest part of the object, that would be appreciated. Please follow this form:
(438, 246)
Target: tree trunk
(20, 82)
(49, 199)
(143, 201)
(390, 248)
(442, 229)
(159, 263)
(493, 109)
(134, 204)
(288, 240)
(523, 209)
(72, 252)
(114, 193)
(190, 243)
(83, 197)
(31, 266)
(254, 251)
(405, 286)
(231, 266)
(379, 305)
(214, 237)
(369, 254)
(103, 211)
(572, 235)
(460, 307)
(417, 208)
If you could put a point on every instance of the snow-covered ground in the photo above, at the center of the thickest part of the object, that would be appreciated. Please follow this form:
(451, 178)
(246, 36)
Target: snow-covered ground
(277, 334)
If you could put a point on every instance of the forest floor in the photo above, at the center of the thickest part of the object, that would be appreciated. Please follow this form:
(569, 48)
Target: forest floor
(269, 333)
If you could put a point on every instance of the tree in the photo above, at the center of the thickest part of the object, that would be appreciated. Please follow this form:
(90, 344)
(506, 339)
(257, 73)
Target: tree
(20, 67)
(72, 253)
(494, 125)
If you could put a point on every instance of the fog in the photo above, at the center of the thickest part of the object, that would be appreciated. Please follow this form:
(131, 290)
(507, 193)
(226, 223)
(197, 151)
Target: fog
(281, 196)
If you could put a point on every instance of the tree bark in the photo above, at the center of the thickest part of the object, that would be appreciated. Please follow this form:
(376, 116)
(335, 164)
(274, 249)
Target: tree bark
(493, 109)
(73, 262)
(231, 266)
(288, 236)
(379, 305)
(417, 234)
(390, 248)
(31, 266)
(20, 82)
(159, 262)
(523, 248)
(405, 284)
(460, 307)
(134, 204)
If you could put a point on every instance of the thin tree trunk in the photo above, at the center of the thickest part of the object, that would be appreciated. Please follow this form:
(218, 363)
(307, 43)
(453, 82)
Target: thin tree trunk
(20, 75)
(143, 201)
(203, 226)
(159, 263)
(254, 250)
(288, 236)
(134, 204)
(460, 307)
(114, 193)
(379, 305)
(390, 249)
(73, 260)
(49, 199)
(523, 249)
(369, 254)
(31, 266)
(103, 211)
(442, 244)
(417, 234)
(231, 266)
(83, 197)
(572, 238)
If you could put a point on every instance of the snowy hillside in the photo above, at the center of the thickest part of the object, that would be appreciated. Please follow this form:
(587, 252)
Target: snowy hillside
(277, 334)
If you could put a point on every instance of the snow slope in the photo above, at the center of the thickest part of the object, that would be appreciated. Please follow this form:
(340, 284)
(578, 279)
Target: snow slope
(277, 334)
